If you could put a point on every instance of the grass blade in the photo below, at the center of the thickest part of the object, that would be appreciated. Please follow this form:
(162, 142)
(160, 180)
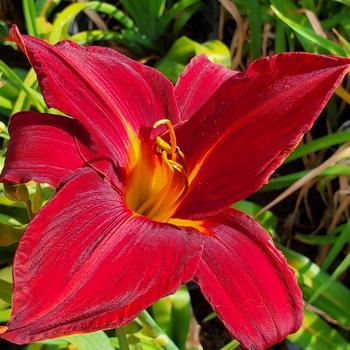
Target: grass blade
(311, 35)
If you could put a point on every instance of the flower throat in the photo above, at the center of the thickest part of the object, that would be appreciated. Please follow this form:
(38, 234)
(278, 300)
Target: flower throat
(158, 181)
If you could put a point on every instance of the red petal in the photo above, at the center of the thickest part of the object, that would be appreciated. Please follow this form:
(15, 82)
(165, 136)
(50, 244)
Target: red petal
(42, 148)
(114, 97)
(252, 122)
(248, 282)
(198, 83)
(87, 263)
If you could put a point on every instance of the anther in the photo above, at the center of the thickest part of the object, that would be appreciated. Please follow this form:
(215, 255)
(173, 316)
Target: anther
(172, 135)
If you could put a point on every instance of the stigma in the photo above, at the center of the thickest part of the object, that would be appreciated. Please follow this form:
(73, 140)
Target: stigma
(158, 182)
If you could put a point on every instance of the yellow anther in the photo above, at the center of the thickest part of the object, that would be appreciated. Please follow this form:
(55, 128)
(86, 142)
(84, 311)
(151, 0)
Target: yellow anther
(163, 145)
(172, 135)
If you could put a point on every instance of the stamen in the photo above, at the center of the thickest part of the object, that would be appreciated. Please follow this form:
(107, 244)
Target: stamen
(171, 129)
(167, 161)
(159, 181)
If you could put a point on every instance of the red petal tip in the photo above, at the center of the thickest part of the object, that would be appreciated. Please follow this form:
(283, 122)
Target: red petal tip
(15, 35)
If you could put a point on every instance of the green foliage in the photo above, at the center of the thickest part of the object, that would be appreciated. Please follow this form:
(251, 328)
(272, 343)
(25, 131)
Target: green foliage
(173, 315)
(91, 341)
(173, 63)
(316, 334)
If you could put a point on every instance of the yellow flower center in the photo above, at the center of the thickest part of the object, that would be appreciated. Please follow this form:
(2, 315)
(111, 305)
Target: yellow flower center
(158, 181)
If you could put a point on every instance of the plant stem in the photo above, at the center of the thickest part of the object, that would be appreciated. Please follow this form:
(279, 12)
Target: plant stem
(156, 332)
(123, 340)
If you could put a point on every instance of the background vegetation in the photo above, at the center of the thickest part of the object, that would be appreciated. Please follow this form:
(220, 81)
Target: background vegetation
(305, 206)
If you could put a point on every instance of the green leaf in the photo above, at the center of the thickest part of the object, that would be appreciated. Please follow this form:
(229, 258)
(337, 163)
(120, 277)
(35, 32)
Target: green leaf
(44, 7)
(315, 240)
(173, 63)
(232, 345)
(280, 37)
(334, 300)
(345, 44)
(255, 22)
(277, 183)
(6, 105)
(161, 313)
(128, 38)
(184, 17)
(344, 2)
(181, 10)
(339, 244)
(30, 17)
(173, 314)
(3, 29)
(9, 234)
(90, 36)
(5, 275)
(15, 79)
(91, 341)
(37, 199)
(316, 334)
(181, 316)
(319, 144)
(289, 10)
(342, 267)
(5, 291)
(61, 24)
(146, 15)
(5, 315)
(309, 34)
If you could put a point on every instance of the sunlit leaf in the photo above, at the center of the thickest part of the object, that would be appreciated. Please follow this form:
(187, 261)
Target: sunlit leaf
(173, 63)
(309, 34)
(91, 341)
(316, 334)
(334, 300)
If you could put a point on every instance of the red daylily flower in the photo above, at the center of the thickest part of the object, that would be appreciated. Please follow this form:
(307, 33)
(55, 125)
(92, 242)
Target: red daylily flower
(141, 210)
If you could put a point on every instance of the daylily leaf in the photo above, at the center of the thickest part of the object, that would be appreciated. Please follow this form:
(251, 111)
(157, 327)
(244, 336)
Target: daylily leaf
(289, 10)
(279, 182)
(335, 300)
(5, 291)
(30, 17)
(9, 234)
(309, 34)
(6, 275)
(147, 15)
(90, 341)
(181, 315)
(341, 240)
(316, 334)
(173, 315)
(324, 142)
(5, 315)
(64, 18)
(173, 63)
(37, 199)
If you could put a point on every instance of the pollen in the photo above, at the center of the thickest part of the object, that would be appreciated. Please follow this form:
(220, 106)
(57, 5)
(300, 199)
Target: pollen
(158, 182)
